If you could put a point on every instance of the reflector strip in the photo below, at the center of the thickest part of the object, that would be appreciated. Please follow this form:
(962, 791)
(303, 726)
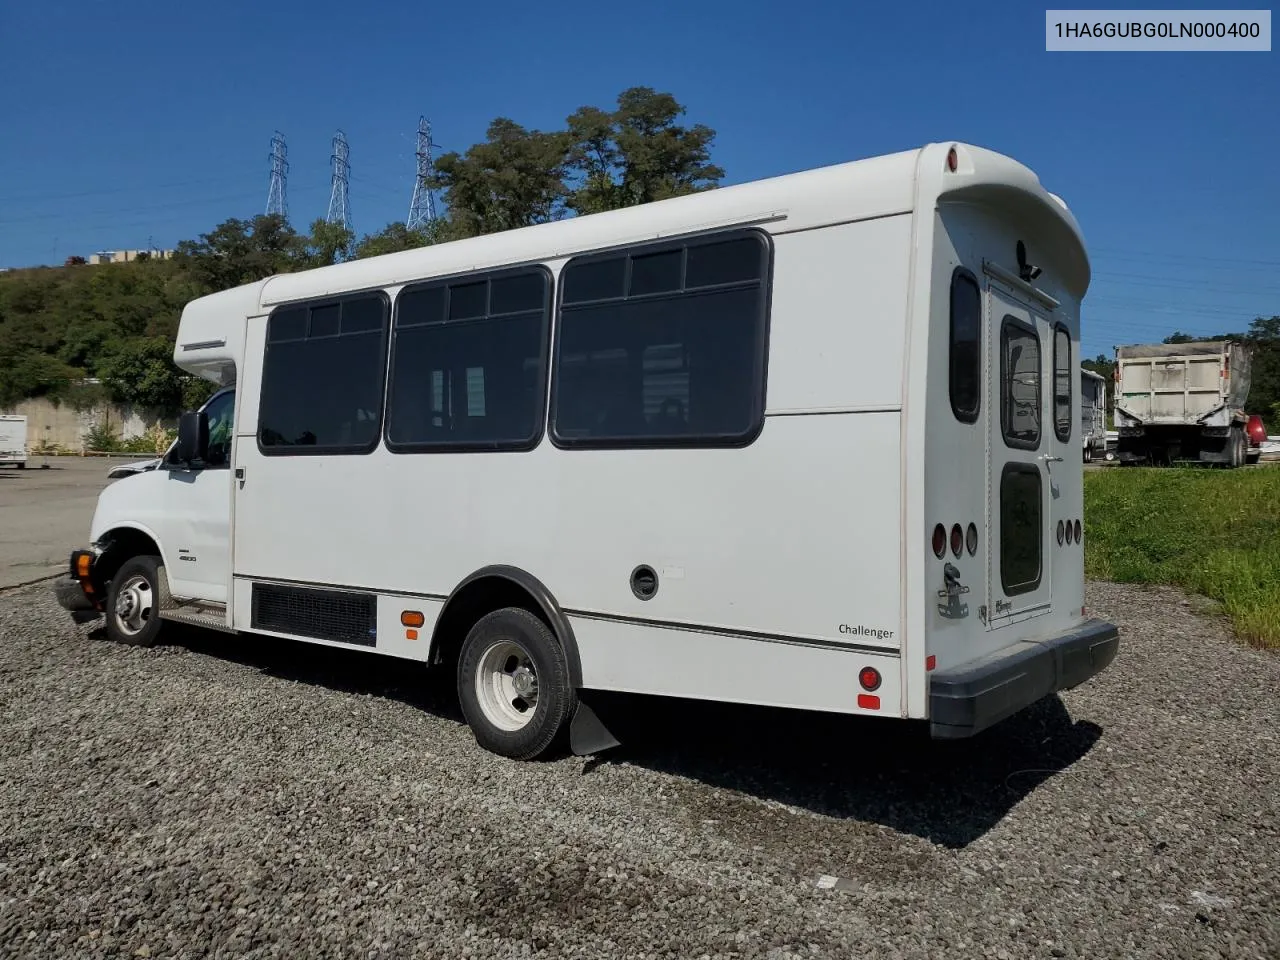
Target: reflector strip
(868, 701)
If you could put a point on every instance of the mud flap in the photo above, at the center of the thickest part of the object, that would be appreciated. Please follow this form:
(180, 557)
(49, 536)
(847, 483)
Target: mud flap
(587, 735)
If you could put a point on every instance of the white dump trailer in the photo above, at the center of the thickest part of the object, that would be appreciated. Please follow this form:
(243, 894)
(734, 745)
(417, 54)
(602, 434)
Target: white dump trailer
(1093, 414)
(809, 442)
(13, 440)
(1182, 402)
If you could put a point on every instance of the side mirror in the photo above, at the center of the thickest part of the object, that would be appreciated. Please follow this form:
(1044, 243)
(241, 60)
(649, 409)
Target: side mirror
(193, 437)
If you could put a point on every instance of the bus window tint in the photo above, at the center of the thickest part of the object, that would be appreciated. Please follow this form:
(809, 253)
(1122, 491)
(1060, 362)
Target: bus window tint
(645, 357)
(1019, 385)
(966, 343)
(1062, 383)
(322, 377)
(468, 365)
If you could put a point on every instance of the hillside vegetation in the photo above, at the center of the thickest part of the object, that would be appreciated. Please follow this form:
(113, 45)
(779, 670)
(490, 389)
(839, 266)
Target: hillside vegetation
(116, 322)
(1212, 532)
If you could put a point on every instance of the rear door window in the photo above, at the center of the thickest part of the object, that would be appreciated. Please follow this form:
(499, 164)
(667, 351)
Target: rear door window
(1021, 528)
(1019, 384)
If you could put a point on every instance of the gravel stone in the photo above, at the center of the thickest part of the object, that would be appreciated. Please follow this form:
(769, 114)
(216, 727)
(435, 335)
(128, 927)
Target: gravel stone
(243, 797)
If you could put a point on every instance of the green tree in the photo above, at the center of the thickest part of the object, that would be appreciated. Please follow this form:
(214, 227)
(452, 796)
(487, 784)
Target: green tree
(515, 178)
(1264, 389)
(395, 237)
(241, 251)
(140, 371)
(32, 374)
(637, 153)
(327, 244)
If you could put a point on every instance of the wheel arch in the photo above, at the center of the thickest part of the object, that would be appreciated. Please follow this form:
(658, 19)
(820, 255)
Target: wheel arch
(119, 544)
(491, 588)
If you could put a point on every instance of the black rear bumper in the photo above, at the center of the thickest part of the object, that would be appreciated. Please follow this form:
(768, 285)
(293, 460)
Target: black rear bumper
(971, 697)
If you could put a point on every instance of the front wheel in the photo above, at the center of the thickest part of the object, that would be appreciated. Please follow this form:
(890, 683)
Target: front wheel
(134, 600)
(514, 685)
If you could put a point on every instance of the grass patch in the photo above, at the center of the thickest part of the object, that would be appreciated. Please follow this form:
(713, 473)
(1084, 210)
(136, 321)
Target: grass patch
(1212, 532)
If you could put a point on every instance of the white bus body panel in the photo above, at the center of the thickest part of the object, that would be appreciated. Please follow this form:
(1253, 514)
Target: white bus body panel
(784, 566)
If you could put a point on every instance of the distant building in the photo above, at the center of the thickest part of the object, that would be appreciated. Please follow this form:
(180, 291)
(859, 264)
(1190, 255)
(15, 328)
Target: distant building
(125, 256)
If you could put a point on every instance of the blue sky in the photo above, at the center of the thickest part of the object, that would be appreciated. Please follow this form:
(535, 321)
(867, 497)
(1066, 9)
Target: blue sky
(124, 121)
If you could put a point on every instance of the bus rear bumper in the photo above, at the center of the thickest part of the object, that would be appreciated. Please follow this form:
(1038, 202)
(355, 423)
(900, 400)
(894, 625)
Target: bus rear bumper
(967, 699)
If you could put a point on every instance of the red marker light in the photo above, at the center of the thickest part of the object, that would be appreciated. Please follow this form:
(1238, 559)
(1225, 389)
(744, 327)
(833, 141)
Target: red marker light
(952, 160)
(957, 539)
(1078, 531)
(868, 702)
(930, 662)
(869, 677)
(939, 541)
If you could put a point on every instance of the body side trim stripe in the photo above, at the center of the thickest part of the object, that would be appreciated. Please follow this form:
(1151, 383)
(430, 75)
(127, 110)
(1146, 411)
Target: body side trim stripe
(735, 634)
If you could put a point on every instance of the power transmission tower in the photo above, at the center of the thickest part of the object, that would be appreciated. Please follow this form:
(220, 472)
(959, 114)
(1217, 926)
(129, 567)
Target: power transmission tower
(276, 202)
(339, 206)
(422, 209)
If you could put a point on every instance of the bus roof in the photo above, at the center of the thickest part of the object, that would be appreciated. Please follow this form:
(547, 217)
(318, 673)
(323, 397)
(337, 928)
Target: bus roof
(855, 190)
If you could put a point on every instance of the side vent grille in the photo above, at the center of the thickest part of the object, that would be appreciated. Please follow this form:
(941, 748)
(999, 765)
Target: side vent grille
(337, 615)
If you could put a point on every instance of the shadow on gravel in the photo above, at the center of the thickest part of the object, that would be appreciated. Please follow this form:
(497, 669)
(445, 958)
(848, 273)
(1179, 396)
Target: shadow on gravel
(338, 669)
(888, 772)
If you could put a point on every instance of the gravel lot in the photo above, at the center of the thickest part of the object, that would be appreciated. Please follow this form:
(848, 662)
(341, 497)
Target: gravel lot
(210, 797)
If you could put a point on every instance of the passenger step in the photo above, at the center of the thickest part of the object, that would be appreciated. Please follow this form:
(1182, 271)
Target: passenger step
(197, 613)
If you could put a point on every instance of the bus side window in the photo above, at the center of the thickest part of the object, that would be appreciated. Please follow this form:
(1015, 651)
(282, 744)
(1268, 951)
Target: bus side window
(468, 360)
(324, 364)
(663, 344)
(965, 356)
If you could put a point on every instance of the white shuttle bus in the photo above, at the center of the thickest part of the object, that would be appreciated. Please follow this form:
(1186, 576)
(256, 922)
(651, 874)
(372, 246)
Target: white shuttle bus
(809, 442)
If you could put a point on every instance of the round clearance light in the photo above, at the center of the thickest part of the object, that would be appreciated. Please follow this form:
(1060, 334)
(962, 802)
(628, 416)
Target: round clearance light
(1060, 530)
(957, 539)
(1078, 531)
(869, 677)
(939, 541)
(953, 160)
(971, 539)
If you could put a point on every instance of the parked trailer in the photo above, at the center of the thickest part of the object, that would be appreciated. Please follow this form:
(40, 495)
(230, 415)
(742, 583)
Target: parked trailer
(13, 440)
(1182, 402)
(1093, 414)
(804, 442)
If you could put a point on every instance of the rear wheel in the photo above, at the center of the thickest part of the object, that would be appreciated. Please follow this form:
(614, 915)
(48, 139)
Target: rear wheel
(134, 599)
(514, 685)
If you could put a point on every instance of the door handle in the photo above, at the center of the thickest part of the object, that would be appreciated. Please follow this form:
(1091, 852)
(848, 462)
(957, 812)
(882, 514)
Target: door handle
(1050, 458)
(239, 473)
